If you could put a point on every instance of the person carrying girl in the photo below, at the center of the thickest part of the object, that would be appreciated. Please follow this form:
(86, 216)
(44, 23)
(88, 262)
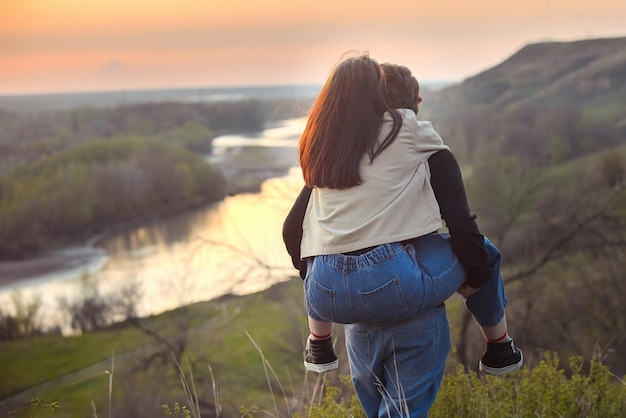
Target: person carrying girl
(363, 233)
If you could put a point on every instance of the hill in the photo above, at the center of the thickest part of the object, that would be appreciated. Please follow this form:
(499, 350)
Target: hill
(248, 347)
(548, 184)
(589, 75)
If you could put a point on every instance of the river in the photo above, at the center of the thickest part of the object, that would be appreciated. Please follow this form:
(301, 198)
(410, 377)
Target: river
(231, 247)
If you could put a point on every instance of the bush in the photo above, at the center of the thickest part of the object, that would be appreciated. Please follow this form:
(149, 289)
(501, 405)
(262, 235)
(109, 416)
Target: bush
(543, 391)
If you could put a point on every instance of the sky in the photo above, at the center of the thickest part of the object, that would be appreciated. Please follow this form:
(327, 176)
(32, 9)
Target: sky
(51, 46)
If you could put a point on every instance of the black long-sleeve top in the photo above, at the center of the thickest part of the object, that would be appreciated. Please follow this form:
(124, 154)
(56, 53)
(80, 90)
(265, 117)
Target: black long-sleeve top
(445, 177)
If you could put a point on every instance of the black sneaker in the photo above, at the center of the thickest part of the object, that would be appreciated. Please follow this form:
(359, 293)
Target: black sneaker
(500, 358)
(319, 355)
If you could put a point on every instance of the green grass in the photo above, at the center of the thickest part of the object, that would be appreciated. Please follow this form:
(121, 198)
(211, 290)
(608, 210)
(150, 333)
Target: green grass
(224, 335)
(71, 398)
(277, 324)
(217, 337)
(29, 362)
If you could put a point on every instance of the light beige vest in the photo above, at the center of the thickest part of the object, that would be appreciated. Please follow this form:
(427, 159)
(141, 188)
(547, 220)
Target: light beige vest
(395, 202)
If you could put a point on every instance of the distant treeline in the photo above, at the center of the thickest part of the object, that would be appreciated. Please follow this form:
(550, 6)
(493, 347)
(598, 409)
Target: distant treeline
(73, 174)
(26, 138)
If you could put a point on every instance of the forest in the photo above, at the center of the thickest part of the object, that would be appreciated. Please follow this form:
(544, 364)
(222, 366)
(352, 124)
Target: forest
(541, 140)
(70, 175)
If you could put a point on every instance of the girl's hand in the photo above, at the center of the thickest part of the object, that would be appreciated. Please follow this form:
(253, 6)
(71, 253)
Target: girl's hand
(466, 290)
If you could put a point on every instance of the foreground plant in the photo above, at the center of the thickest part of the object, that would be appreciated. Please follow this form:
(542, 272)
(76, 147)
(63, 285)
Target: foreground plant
(544, 391)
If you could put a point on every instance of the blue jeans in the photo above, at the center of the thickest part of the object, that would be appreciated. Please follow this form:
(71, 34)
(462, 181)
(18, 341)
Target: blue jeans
(397, 334)
(435, 258)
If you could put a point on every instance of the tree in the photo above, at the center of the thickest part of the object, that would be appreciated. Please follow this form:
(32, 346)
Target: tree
(25, 320)
(564, 241)
(91, 310)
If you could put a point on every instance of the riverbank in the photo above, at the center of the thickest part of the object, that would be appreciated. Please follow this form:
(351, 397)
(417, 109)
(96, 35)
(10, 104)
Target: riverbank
(82, 255)
(66, 258)
(244, 169)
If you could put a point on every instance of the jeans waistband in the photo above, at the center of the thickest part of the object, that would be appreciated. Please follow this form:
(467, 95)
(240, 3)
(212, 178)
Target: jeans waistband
(369, 258)
(360, 252)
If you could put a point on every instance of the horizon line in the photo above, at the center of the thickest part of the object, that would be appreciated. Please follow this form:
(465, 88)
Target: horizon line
(424, 83)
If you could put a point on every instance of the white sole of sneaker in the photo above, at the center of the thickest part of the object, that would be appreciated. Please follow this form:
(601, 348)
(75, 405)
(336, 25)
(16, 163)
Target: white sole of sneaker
(322, 368)
(501, 370)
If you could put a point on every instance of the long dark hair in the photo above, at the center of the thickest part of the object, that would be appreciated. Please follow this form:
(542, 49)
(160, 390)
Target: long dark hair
(344, 124)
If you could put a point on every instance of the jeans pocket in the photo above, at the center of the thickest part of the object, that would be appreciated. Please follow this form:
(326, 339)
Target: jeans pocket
(415, 353)
(384, 304)
(320, 301)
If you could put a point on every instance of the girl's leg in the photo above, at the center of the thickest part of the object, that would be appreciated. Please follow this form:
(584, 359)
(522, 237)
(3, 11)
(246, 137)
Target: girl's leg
(496, 333)
(320, 329)
(319, 353)
(487, 306)
(434, 255)
(444, 275)
(442, 272)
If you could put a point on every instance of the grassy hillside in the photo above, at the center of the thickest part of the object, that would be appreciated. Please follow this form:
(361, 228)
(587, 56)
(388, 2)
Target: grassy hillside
(244, 354)
(222, 334)
(587, 74)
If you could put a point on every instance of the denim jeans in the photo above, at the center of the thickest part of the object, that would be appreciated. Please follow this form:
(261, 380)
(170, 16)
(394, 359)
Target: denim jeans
(397, 369)
(391, 300)
(435, 259)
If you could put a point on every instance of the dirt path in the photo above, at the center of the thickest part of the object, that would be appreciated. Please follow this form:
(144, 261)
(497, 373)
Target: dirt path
(20, 399)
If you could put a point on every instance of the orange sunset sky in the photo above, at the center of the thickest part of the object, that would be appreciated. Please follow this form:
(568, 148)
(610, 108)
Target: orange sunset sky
(95, 45)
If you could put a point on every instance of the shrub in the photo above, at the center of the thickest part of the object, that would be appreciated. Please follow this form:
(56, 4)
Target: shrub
(543, 391)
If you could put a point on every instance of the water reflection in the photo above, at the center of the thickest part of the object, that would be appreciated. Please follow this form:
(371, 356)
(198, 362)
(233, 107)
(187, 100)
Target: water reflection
(154, 236)
(276, 136)
(234, 246)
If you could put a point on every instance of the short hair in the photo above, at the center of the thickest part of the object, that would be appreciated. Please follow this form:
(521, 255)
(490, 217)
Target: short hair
(403, 89)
